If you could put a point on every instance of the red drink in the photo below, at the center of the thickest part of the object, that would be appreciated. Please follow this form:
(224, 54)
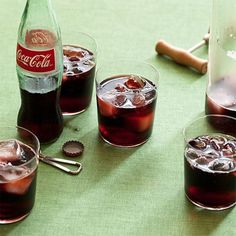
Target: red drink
(40, 112)
(18, 171)
(126, 106)
(210, 171)
(78, 79)
(221, 98)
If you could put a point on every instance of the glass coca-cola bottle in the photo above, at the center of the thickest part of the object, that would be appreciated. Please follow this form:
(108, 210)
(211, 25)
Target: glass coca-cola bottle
(39, 69)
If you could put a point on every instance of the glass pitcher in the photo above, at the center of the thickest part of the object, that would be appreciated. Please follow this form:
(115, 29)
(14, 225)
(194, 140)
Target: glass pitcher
(221, 88)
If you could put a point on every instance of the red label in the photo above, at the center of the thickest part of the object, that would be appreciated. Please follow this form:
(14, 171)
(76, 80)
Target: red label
(35, 61)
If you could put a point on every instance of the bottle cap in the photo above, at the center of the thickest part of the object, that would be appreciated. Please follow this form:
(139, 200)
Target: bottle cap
(73, 148)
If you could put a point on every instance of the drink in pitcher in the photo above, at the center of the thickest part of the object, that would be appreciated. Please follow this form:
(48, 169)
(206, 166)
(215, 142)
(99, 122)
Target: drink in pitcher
(221, 87)
(221, 97)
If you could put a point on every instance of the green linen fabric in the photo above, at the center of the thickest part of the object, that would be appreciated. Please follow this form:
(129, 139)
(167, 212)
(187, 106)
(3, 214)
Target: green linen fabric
(137, 191)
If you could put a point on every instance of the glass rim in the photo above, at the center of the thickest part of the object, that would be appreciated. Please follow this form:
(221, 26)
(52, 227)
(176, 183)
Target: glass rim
(36, 152)
(87, 35)
(201, 118)
(217, 133)
(130, 62)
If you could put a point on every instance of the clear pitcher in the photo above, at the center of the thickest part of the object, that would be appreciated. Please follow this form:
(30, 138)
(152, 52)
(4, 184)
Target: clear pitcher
(221, 88)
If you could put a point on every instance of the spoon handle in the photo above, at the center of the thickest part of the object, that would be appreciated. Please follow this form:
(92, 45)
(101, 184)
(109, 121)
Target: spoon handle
(55, 163)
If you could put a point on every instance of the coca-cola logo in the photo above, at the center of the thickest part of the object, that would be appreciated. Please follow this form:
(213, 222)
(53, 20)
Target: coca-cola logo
(35, 61)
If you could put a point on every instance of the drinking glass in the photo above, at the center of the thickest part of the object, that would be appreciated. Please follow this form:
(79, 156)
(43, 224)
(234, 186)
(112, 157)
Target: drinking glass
(126, 102)
(210, 162)
(79, 56)
(19, 150)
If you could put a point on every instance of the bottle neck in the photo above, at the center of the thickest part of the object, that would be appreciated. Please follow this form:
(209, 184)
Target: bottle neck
(38, 2)
(38, 12)
(38, 27)
(38, 5)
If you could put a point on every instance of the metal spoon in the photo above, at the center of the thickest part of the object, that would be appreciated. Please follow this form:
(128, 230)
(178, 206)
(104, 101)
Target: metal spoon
(55, 163)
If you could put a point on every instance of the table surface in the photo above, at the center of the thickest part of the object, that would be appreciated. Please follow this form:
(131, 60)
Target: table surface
(137, 191)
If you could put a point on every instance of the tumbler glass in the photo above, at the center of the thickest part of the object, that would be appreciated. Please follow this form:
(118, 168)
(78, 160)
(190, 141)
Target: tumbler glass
(126, 102)
(19, 150)
(79, 56)
(210, 162)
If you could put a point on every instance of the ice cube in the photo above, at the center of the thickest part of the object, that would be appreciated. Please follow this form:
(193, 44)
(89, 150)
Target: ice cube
(211, 153)
(138, 99)
(192, 154)
(229, 148)
(19, 182)
(120, 87)
(81, 53)
(224, 98)
(76, 70)
(105, 104)
(109, 96)
(202, 160)
(74, 58)
(119, 100)
(198, 143)
(220, 139)
(215, 145)
(69, 52)
(10, 151)
(134, 82)
(222, 164)
(150, 94)
(140, 123)
(14, 172)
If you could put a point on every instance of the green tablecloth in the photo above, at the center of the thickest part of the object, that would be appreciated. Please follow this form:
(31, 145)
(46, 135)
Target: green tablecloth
(120, 191)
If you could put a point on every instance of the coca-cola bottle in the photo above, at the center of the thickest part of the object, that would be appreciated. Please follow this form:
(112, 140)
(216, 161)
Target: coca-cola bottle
(39, 69)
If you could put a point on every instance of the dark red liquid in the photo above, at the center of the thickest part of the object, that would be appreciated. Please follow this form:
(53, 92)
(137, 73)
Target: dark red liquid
(41, 114)
(210, 178)
(221, 100)
(17, 195)
(78, 80)
(126, 118)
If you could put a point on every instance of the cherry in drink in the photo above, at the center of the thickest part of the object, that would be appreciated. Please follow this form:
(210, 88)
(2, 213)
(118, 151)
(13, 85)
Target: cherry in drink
(126, 106)
(18, 171)
(78, 79)
(210, 171)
